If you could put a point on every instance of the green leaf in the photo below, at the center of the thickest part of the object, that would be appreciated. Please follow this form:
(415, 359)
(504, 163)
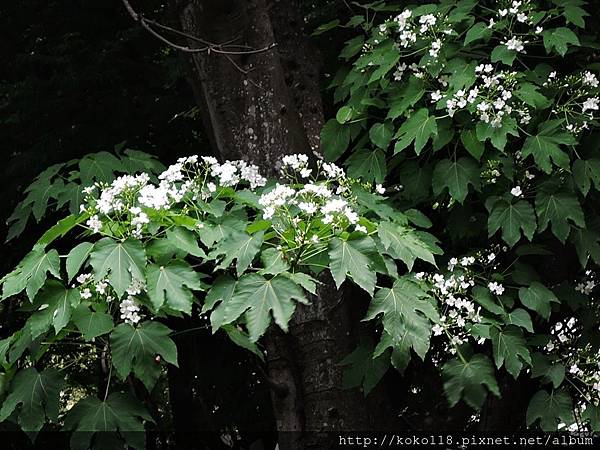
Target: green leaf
(367, 165)
(354, 258)
(543, 367)
(221, 291)
(407, 315)
(335, 139)
(538, 298)
(520, 318)
(558, 39)
(406, 97)
(558, 208)
(243, 340)
(134, 349)
(381, 134)
(592, 416)
(456, 176)
(258, 297)
(77, 257)
(172, 285)
(352, 47)
(497, 136)
(484, 297)
(240, 246)
(61, 229)
(418, 128)
(124, 260)
(545, 147)
(31, 273)
(326, 27)
(37, 396)
(466, 379)
(550, 409)
(185, 240)
(529, 94)
(55, 304)
(587, 244)
(502, 53)
(575, 15)
(510, 349)
(478, 31)
(403, 243)
(474, 146)
(119, 413)
(344, 114)
(99, 166)
(363, 369)
(512, 218)
(586, 171)
(92, 323)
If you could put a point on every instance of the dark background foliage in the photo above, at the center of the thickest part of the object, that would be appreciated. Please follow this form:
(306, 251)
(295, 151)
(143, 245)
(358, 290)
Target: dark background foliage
(79, 77)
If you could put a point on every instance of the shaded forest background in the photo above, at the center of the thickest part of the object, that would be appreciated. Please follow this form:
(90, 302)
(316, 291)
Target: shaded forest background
(81, 77)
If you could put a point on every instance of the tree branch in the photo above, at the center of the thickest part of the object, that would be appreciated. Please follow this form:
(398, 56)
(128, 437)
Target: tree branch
(208, 46)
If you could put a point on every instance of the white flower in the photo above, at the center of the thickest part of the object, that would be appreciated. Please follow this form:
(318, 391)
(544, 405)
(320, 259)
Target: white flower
(522, 17)
(83, 277)
(399, 71)
(491, 257)
(86, 293)
(496, 288)
(308, 208)
(380, 189)
(295, 162)
(437, 330)
(130, 311)
(436, 96)
(94, 223)
(452, 263)
(589, 79)
(515, 44)
(516, 191)
(101, 287)
(136, 287)
(332, 171)
(305, 173)
(503, 12)
(277, 197)
(539, 30)
(591, 104)
(172, 174)
(361, 228)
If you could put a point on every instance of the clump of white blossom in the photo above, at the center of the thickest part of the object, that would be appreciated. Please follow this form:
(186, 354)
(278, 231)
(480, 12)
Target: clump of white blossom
(131, 199)
(321, 195)
(580, 99)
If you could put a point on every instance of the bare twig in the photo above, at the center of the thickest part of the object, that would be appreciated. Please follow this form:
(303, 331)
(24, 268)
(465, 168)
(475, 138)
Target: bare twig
(208, 47)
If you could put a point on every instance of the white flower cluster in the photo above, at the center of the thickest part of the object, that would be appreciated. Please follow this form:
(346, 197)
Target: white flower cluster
(297, 163)
(458, 313)
(428, 30)
(580, 100)
(323, 198)
(582, 361)
(88, 287)
(130, 198)
(517, 9)
(130, 310)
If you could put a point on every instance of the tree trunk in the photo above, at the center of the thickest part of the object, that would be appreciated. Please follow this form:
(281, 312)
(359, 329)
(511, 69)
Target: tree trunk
(258, 107)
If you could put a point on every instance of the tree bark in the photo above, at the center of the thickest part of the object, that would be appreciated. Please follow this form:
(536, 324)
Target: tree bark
(258, 107)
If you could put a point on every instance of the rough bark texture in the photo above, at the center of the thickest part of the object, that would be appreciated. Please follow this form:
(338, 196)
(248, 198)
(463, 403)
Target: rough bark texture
(274, 109)
(254, 106)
